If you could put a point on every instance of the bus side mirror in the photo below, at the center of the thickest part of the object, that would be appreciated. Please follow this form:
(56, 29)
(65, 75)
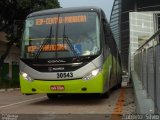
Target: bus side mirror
(106, 28)
(18, 28)
(15, 30)
(108, 33)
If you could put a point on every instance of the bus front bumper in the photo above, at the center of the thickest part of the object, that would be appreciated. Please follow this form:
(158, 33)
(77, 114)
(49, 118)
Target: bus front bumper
(94, 85)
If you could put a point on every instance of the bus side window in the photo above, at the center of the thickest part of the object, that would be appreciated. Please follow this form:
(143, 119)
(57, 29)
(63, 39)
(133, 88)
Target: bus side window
(106, 39)
(110, 39)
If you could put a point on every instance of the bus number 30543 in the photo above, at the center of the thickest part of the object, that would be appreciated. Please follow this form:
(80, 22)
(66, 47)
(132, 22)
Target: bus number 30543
(65, 75)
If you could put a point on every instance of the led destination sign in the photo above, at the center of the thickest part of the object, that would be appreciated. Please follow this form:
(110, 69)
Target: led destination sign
(47, 48)
(60, 20)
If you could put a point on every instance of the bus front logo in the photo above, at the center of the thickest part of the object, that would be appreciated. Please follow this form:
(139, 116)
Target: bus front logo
(55, 69)
(56, 61)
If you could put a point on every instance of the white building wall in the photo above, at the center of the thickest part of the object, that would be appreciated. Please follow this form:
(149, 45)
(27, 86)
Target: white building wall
(141, 27)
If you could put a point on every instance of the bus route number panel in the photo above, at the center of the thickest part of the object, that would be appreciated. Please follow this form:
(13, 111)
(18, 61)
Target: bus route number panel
(65, 75)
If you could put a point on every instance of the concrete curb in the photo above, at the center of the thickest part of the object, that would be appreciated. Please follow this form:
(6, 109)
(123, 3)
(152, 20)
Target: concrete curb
(9, 89)
(144, 105)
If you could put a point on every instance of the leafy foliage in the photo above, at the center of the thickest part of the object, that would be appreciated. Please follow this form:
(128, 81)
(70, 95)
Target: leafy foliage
(14, 12)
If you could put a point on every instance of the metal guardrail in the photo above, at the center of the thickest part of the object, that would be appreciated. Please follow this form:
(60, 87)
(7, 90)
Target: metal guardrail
(147, 67)
(150, 39)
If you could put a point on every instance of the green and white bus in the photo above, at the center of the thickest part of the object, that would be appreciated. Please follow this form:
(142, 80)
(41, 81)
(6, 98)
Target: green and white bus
(68, 50)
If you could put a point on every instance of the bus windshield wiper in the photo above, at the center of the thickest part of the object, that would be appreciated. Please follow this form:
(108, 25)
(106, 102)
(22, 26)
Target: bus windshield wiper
(65, 38)
(45, 42)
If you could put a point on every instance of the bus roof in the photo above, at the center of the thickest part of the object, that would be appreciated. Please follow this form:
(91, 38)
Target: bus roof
(65, 10)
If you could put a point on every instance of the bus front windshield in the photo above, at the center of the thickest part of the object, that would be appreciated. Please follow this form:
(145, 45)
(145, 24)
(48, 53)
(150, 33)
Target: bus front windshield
(61, 36)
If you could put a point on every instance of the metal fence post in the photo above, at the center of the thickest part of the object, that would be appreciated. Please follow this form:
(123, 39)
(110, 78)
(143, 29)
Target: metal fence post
(147, 72)
(142, 68)
(155, 79)
(139, 66)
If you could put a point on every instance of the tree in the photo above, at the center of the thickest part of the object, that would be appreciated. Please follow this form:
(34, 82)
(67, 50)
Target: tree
(13, 12)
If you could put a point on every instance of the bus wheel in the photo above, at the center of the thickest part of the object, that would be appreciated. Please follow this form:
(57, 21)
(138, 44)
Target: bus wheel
(120, 83)
(106, 94)
(51, 95)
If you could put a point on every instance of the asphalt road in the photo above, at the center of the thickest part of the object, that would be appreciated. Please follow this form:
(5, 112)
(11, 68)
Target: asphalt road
(15, 106)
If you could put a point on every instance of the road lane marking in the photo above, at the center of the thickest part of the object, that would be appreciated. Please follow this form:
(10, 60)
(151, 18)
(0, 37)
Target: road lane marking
(21, 102)
(117, 113)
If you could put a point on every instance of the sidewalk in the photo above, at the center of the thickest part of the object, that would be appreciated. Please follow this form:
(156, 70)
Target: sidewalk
(9, 89)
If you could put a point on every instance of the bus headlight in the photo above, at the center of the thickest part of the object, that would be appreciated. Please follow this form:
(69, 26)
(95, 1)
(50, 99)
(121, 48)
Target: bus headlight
(26, 76)
(91, 74)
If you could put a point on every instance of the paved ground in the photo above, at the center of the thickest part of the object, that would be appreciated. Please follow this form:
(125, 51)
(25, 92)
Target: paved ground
(15, 105)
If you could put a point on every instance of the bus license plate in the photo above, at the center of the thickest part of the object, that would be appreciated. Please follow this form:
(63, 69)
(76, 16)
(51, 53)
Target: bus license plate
(57, 87)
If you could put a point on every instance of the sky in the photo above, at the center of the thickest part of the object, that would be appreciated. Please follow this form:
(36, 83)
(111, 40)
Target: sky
(106, 5)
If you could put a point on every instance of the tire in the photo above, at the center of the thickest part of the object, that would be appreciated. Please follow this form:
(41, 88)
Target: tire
(118, 86)
(120, 83)
(106, 94)
(52, 96)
